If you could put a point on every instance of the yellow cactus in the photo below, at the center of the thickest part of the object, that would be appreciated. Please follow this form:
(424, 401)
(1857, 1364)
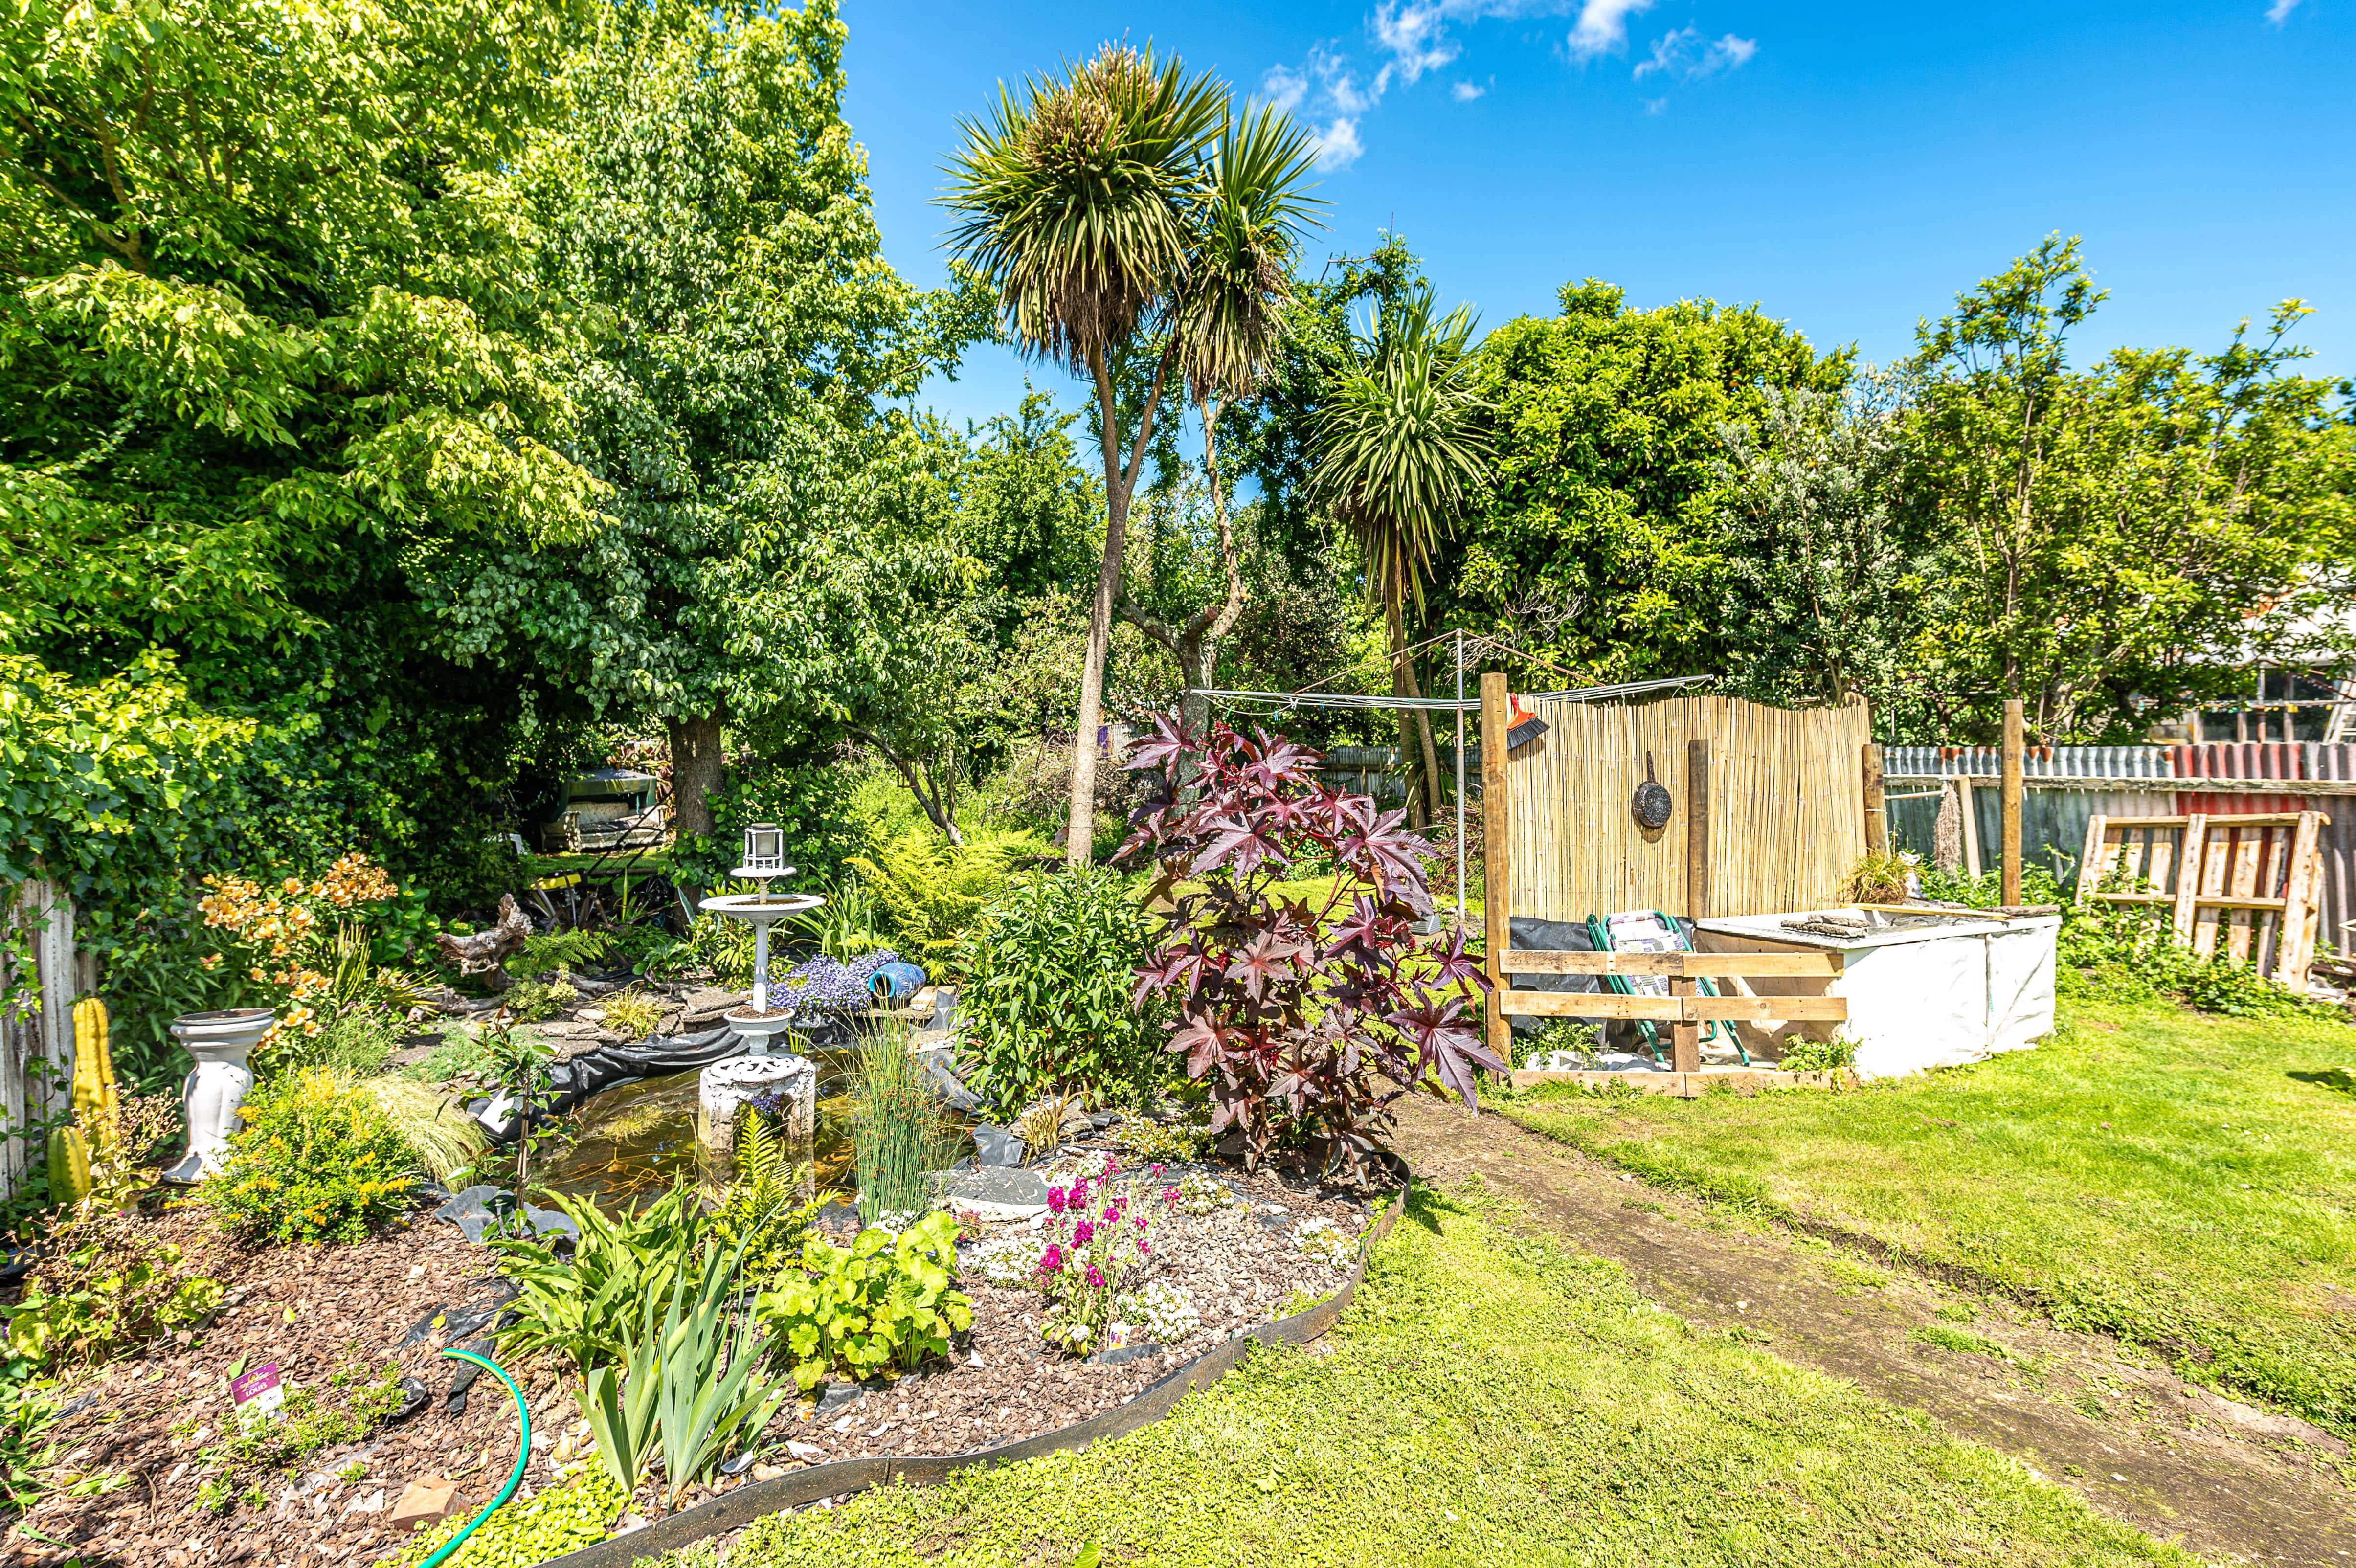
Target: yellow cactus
(68, 1167)
(95, 1100)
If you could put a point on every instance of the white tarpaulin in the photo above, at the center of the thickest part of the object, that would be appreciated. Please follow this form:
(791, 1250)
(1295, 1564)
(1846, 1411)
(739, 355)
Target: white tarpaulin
(1919, 997)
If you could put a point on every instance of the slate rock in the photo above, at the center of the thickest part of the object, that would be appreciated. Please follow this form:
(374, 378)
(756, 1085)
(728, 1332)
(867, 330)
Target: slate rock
(997, 1147)
(838, 1396)
(1125, 1353)
(478, 1208)
(999, 1192)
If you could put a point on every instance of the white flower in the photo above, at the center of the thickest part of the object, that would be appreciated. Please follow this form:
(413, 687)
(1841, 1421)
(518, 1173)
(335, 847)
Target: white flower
(1326, 1242)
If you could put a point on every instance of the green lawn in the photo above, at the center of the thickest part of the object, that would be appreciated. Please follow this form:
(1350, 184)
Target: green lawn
(2185, 1182)
(1489, 1401)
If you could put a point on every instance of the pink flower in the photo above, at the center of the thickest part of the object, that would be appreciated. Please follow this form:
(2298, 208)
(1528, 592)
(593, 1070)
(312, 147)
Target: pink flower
(1082, 1232)
(1112, 1212)
(1096, 1280)
(1144, 1248)
(1056, 1198)
(1051, 1260)
(1169, 1195)
(1157, 1171)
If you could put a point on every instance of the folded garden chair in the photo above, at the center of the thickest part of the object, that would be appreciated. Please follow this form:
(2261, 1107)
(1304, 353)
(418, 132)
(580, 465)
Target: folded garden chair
(1649, 930)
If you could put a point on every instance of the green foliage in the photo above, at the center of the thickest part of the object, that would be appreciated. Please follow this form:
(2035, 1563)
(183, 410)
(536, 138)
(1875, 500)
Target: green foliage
(1163, 1142)
(442, 1139)
(588, 1305)
(562, 1517)
(844, 927)
(547, 952)
(2129, 533)
(632, 1014)
(810, 803)
(1050, 972)
(1962, 1341)
(535, 1001)
(761, 1216)
(1826, 554)
(313, 1418)
(929, 892)
(1604, 546)
(316, 1160)
(25, 1457)
(884, 1303)
(105, 1287)
(898, 1134)
(1559, 1034)
(1817, 1055)
(690, 1385)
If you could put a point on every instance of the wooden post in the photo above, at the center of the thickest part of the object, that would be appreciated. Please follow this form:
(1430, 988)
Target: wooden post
(2191, 858)
(1698, 905)
(1877, 811)
(1685, 1034)
(2010, 781)
(1496, 852)
(1971, 814)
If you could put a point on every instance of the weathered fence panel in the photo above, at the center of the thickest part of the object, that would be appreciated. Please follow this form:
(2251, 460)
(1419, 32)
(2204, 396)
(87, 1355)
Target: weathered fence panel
(35, 1048)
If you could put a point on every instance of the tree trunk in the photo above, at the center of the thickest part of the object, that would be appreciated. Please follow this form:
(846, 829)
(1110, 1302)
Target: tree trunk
(1080, 820)
(1403, 686)
(697, 766)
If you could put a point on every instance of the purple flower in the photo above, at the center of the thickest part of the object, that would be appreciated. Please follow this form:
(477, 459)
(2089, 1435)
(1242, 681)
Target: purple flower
(1051, 1260)
(1096, 1280)
(1056, 1198)
(1082, 1232)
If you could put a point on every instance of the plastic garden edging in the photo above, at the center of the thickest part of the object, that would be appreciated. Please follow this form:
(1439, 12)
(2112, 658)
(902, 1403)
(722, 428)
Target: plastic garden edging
(798, 1488)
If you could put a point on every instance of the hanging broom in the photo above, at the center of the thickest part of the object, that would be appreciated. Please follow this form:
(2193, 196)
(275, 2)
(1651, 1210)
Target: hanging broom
(1525, 728)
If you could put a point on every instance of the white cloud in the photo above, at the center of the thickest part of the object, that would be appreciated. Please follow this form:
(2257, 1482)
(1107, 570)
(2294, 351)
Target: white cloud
(2279, 12)
(1337, 145)
(1285, 88)
(1416, 34)
(1656, 105)
(1602, 27)
(1466, 91)
(1685, 53)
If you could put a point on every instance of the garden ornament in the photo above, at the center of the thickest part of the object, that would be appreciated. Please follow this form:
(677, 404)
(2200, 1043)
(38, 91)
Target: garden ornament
(765, 861)
(216, 1086)
(1650, 804)
(724, 1090)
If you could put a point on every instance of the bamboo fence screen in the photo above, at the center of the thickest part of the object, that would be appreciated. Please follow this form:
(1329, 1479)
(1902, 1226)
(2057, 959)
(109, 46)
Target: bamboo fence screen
(1786, 806)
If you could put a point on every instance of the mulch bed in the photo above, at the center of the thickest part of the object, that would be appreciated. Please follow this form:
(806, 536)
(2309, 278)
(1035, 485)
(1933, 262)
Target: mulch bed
(318, 1311)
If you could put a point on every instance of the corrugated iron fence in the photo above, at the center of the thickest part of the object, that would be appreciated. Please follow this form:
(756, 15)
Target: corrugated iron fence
(2064, 784)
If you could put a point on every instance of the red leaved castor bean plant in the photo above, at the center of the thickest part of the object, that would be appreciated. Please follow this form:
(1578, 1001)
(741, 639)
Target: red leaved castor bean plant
(1305, 1023)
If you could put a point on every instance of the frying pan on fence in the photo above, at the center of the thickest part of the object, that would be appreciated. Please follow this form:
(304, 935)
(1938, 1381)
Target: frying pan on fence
(1650, 804)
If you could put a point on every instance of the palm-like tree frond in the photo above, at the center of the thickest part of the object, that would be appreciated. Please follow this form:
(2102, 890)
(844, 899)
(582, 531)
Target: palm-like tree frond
(1240, 277)
(1401, 449)
(1074, 203)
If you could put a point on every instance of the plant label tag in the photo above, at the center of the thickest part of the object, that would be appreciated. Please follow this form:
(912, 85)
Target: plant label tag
(257, 1394)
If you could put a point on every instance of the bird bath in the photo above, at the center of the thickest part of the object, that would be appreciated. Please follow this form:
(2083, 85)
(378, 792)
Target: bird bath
(726, 1086)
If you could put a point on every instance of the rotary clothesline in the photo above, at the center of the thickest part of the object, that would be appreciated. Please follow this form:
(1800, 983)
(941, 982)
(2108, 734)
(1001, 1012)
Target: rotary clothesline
(1270, 704)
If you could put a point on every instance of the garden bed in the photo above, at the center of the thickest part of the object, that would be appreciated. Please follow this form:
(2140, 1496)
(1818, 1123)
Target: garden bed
(382, 1310)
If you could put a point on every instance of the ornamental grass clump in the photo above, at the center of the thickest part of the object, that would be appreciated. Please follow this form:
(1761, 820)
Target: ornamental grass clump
(317, 1160)
(898, 1134)
(1305, 1020)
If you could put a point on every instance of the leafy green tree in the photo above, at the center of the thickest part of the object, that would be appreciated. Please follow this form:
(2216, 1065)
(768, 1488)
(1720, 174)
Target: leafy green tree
(1402, 458)
(1601, 548)
(1094, 205)
(769, 536)
(1825, 564)
(2123, 535)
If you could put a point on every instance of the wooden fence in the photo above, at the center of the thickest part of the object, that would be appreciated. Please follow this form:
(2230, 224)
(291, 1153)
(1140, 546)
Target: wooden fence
(36, 1045)
(2245, 883)
(1778, 795)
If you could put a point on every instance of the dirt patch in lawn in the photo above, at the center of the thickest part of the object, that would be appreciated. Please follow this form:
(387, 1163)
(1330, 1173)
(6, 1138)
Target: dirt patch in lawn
(2224, 1480)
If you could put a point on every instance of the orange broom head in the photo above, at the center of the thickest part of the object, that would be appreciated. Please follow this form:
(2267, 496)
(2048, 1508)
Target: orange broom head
(1526, 728)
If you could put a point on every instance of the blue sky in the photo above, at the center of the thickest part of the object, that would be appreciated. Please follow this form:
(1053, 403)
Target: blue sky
(1849, 166)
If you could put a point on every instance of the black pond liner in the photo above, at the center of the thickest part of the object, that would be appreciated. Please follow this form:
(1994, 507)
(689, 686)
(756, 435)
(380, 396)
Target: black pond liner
(800, 1488)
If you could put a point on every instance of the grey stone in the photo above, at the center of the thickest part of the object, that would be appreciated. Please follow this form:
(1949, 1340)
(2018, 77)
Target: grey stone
(1126, 1353)
(996, 1145)
(838, 1396)
(478, 1208)
(1000, 1184)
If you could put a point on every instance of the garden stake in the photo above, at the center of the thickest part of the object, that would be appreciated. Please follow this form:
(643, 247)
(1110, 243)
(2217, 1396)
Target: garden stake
(523, 1459)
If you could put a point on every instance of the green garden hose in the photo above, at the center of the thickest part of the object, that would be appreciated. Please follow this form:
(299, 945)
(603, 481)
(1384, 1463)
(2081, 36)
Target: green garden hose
(523, 1459)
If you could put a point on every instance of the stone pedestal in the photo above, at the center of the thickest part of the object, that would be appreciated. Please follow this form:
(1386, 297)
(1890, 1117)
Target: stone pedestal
(723, 1090)
(216, 1085)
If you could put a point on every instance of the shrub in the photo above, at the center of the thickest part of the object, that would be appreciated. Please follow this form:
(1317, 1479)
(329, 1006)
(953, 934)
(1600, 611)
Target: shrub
(102, 1285)
(317, 1160)
(1050, 974)
(536, 1000)
(928, 893)
(1305, 1021)
(632, 1014)
(1817, 1055)
(588, 1305)
(882, 1302)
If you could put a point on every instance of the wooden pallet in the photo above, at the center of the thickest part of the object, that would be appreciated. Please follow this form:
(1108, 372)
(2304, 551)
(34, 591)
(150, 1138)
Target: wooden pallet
(1685, 1008)
(2243, 884)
